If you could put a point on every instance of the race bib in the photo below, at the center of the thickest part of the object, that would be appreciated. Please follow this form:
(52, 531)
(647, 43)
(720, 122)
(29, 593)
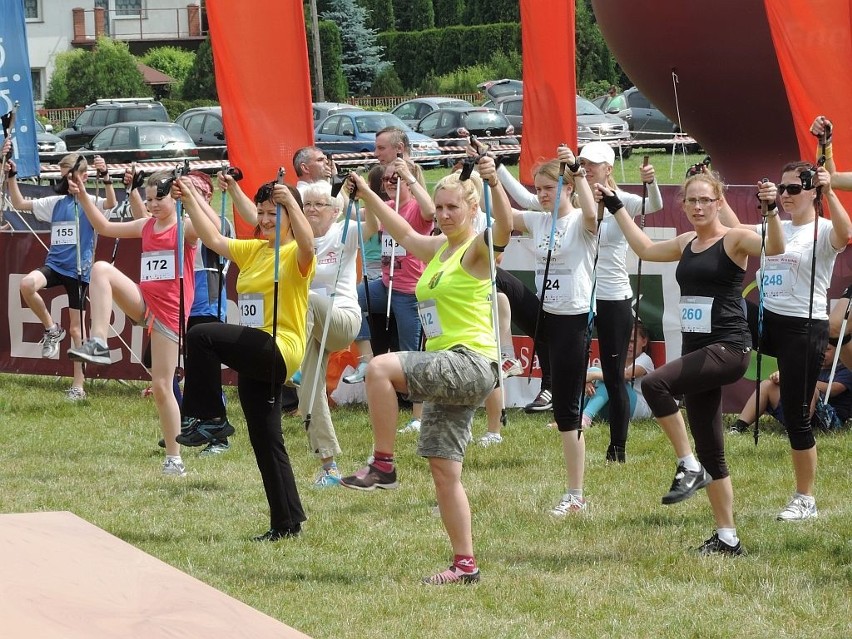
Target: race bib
(777, 281)
(429, 318)
(157, 265)
(389, 247)
(251, 309)
(695, 314)
(63, 233)
(559, 286)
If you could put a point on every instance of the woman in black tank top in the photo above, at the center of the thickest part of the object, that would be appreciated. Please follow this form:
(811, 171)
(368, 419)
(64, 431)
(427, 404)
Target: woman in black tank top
(716, 344)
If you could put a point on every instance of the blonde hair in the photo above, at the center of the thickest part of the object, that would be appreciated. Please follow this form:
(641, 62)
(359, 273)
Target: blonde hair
(708, 177)
(70, 160)
(470, 189)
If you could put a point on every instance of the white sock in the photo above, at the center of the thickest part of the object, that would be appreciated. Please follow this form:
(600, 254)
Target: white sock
(576, 492)
(728, 535)
(689, 462)
(807, 498)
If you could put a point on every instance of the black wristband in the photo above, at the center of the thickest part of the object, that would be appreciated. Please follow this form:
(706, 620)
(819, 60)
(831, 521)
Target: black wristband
(612, 203)
(574, 167)
(11, 174)
(771, 206)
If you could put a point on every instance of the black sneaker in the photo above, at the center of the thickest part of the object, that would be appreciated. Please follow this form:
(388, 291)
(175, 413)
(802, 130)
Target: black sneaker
(685, 483)
(200, 432)
(715, 546)
(370, 478)
(543, 401)
(185, 425)
(615, 454)
(91, 352)
(274, 534)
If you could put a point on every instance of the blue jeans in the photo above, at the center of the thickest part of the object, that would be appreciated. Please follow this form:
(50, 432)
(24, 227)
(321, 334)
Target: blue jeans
(403, 308)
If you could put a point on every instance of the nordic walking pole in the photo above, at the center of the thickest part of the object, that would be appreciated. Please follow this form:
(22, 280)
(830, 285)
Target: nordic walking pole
(591, 317)
(71, 175)
(764, 211)
(392, 255)
(327, 321)
(278, 211)
(363, 262)
(837, 349)
(220, 263)
(181, 308)
(8, 121)
(544, 282)
(639, 277)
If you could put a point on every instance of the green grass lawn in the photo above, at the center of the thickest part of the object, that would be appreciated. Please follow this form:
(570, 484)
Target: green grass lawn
(624, 569)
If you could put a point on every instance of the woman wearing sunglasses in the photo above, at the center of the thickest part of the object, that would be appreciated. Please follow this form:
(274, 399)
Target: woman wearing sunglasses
(716, 342)
(795, 316)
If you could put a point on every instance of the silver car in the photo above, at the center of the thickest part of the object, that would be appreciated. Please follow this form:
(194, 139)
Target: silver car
(594, 125)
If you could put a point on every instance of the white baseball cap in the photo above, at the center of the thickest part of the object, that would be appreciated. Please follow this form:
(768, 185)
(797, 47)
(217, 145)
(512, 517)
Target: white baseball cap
(598, 152)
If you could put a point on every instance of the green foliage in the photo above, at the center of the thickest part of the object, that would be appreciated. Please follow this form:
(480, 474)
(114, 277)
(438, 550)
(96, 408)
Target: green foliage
(448, 12)
(175, 106)
(380, 14)
(594, 61)
(173, 61)
(107, 71)
(386, 83)
(362, 56)
(491, 11)
(414, 15)
(593, 88)
(57, 91)
(200, 82)
(335, 88)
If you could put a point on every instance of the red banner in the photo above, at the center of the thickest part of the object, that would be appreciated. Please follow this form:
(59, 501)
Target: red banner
(550, 86)
(262, 77)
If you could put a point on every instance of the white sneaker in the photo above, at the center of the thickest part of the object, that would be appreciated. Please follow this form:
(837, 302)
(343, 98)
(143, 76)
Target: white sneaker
(174, 468)
(799, 509)
(489, 439)
(413, 426)
(569, 504)
(75, 394)
(511, 367)
(357, 376)
(50, 341)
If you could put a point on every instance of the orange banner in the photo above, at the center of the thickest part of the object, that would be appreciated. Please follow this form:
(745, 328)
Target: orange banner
(261, 59)
(550, 86)
(814, 48)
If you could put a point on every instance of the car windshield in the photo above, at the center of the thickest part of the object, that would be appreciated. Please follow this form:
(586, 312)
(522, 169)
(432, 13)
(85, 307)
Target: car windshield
(499, 89)
(484, 120)
(157, 137)
(39, 127)
(375, 122)
(584, 107)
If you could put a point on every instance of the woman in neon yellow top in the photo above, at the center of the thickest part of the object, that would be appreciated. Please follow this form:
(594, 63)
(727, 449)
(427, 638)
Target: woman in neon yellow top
(460, 365)
(262, 364)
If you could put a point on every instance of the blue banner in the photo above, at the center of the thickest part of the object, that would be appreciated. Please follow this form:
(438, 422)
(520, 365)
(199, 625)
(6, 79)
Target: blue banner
(16, 86)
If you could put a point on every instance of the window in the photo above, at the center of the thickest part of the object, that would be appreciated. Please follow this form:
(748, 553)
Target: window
(430, 121)
(407, 111)
(637, 100)
(193, 125)
(122, 138)
(36, 76)
(128, 7)
(102, 140)
(99, 117)
(329, 127)
(32, 9)
(84, 118)
(513, 107)
(212, 127)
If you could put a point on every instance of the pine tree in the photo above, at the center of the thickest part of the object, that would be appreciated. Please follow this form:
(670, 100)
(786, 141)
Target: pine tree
(362, 57)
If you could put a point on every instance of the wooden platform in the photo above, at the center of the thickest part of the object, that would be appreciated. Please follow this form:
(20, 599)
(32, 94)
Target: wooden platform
(60, 576)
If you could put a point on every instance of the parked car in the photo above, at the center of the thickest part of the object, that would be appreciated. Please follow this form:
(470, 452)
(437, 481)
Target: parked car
(452, 127)
(140, 141)
(412, 111)
(204, 125)
(103, 112)
(47, 142)
(324, 109)
(512, 106)
(595, 125)
(494, 89)
(355, 132)
(645, 121)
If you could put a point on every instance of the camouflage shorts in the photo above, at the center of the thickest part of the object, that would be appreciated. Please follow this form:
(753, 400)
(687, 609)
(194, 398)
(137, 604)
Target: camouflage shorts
(452, 385)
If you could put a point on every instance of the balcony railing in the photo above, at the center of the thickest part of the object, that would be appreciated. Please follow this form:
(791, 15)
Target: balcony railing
(175, 23)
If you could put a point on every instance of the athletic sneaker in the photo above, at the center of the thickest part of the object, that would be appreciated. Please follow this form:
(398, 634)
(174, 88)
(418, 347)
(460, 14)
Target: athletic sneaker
(274, 534)
(203, 431)
(511, 367)
(799, 509)
(543, 401)
(327, 478)
(358, 375)
(296, 380)
(216, 447)
(174, 468)
(90, 352)
(75, 394)
(715, 546)
(685, 483)
(489, 439)
(569, 504)
(413, 426)
(452, 575)
(50, 341)
(370, 479)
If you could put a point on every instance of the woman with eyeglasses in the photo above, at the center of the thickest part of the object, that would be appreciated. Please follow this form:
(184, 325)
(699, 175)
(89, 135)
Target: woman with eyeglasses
(262, 356)
(712, 259)
(795, 316)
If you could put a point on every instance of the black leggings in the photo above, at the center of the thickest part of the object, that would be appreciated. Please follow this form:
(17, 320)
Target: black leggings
(524, 305)
(792, 344)
(249, 352)
(566, 340)
(699, 377)
(614, 321)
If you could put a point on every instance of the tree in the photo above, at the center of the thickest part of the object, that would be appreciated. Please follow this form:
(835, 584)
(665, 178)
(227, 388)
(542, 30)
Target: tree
(448, 13)
(414, 15)
(380, 14)
(333, 80)
(107, 71)
(491, 11)
(174, 62)
(200, 82)
(386, 83)
(57, 91)
(362, 57)
(594, 61)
